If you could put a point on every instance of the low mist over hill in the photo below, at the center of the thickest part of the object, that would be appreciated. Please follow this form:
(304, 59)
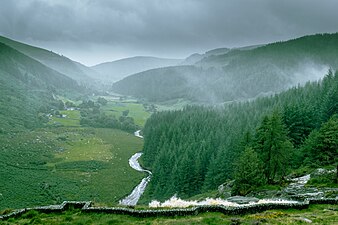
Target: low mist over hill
(238, 74)
(119, 69)
(62, 64)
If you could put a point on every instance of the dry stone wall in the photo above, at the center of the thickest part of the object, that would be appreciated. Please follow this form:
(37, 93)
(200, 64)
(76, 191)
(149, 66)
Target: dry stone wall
(228, 210)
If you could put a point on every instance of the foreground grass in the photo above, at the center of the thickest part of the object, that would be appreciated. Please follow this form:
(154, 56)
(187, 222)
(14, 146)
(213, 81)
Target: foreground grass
(48, 166)
(318, 214)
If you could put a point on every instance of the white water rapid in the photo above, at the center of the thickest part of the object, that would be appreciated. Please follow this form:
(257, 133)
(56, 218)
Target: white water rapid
(135, 195)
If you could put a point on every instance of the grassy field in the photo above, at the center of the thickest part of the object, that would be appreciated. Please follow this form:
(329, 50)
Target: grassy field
(48, 166)
(318, 214)
(136, 110)
(72, 119)
(115, 106)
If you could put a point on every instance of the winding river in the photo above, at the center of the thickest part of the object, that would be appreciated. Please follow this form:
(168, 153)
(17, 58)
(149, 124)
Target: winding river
(135, 195)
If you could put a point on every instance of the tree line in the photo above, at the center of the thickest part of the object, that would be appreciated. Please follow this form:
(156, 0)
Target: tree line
(92, 116)
(196, 149)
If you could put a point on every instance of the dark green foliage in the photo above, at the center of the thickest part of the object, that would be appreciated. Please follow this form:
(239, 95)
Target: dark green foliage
(125, 112)
(102, 101)
(69, 104)
(326, 179)
(249, 172)
(159, 84)
(273, 147)
(322, 145)
(27, 88)
(93, 117)
(194, 150)
(300, 121)
(239, 74)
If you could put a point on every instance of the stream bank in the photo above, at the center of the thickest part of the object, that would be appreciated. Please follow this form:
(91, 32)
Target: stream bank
(134, 196)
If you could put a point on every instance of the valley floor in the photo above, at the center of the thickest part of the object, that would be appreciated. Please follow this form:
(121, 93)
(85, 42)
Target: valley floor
(48, 166)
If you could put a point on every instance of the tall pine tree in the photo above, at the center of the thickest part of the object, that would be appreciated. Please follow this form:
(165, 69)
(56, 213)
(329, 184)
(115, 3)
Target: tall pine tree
(273, 147)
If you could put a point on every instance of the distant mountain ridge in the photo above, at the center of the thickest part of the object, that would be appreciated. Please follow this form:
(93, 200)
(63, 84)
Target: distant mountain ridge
(62, 64)
(119, 69)
(196, 57)
(238, 74)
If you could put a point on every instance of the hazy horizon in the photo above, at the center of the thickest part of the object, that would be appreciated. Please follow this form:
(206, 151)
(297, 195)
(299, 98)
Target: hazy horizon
(93, 32)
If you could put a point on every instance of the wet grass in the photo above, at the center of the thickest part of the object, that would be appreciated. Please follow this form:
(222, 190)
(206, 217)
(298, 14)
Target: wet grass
(318, 214)
(136, 110)
(48, 166)
(72, 119)
(114, 106)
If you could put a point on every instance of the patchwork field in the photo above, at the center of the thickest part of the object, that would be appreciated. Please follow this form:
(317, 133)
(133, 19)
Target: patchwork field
(71, 119)
(114, 106)
(136, 110)
(48, 166)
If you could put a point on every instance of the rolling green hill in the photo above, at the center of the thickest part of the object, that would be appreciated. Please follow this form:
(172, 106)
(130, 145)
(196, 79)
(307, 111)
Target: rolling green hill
(26, 85)
(62, 64)
(117, 70)
(240, 73)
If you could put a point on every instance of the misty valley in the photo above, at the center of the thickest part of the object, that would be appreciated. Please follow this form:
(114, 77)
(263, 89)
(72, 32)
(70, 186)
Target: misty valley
(233, 130)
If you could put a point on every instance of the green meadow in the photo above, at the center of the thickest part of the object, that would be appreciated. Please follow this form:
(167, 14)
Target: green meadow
(72, 119)
(136, 110)
(50, 165)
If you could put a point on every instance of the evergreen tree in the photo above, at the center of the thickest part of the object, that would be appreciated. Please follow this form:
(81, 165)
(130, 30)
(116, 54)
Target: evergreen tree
(193, 150)
(321, 147)
(249, 172)
(273, 147)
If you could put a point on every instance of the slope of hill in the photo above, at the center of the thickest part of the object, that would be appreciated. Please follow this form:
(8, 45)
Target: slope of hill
(194, 150)
(239, 74)
(62, 64)
(117, 70)
(26, 85)
(196, 57)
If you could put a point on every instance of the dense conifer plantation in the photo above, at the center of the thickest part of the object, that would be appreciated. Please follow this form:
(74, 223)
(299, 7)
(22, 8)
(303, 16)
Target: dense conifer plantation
(198, 148)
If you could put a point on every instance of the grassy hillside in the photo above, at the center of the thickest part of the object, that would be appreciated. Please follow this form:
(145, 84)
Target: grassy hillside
(238, 74)
(160, 84)
(46, 158)
(26, 87)
(117, 70)
(60, 63)
(48, 166)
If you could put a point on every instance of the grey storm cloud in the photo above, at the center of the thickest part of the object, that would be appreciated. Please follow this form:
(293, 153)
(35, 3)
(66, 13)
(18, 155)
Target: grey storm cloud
(172, 28)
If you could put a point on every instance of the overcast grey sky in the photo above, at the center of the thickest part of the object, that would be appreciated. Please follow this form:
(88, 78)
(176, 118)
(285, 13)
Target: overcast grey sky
(94, 31)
